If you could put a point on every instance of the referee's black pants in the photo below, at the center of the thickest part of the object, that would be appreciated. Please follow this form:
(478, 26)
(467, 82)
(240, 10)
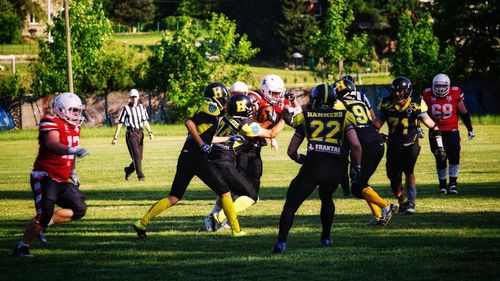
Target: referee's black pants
(135, 144)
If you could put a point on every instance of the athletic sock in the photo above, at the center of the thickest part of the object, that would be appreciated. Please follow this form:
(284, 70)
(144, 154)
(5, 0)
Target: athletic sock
(375, 210)
(156, 209)
(372, 196)
(240, 204)
(412, 193)
(228, 206)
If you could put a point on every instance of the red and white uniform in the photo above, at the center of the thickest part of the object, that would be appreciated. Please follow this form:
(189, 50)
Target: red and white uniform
(58, 167)
(444, 109)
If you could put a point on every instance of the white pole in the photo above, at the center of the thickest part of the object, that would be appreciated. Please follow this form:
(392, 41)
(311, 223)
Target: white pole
(49, 21)
(68, 47)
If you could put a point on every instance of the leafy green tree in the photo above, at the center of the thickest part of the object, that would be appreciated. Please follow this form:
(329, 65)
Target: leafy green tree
(90, 32)
(472, 27)
(191, 58)
(295, 28)
(201, 9)
(331, 42)
(418, 55)
(133, 12)
(10, 23)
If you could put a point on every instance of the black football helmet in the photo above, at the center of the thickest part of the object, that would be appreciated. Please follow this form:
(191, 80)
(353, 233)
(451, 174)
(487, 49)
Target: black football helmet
(348, 77)
(343, 87)
(323, 95)
(240, 105)
(217, 93)
(399, 84)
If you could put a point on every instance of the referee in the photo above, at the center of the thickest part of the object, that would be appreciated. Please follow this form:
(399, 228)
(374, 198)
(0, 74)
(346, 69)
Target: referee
(135, 117)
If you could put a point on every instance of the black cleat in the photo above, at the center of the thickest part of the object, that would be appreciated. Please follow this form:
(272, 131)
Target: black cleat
(23, 251)
(141, 232)
(127, 174)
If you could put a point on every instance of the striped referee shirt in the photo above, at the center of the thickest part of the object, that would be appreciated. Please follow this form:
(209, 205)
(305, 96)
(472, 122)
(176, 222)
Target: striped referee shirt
(133, 116)
(359, 96)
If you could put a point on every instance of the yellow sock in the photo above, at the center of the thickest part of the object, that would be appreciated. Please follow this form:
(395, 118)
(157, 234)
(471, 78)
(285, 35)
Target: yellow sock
(375, 210)
(371, 196)
(157, 208)
(240, 204)
(228, 207)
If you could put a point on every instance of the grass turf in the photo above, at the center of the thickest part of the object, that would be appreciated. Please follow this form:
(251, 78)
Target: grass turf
(452, 237)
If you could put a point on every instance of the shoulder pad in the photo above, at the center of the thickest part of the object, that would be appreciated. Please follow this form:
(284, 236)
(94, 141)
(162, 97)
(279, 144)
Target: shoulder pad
(210, 108)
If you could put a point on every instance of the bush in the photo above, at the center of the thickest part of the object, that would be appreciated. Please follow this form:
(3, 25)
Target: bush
(10, 23)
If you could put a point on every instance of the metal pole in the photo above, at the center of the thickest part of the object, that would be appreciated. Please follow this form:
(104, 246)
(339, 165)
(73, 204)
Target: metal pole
(68, 46)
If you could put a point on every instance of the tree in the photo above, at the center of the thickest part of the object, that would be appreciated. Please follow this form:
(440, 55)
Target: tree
(90, 31)
(418, 55)
(133, 12)
(331, 42)
(295, 28)
(10, 23)
(191, 58)
(473, 28)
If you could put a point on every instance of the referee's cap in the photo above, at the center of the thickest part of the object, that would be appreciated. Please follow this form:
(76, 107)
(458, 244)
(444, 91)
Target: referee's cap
(133, 93)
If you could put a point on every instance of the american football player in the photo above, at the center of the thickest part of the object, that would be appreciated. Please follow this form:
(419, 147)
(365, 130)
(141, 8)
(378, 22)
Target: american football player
(193, 161)
(237, 122)
(373, 150)
(54, 180)
(325, 123)
(401, 111)
(446, 102)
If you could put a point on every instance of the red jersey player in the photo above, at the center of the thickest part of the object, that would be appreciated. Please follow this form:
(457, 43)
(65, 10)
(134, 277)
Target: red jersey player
(59, 138)
(445, 102)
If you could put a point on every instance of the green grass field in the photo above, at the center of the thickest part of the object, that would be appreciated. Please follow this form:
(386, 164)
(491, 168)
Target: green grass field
(451, 237)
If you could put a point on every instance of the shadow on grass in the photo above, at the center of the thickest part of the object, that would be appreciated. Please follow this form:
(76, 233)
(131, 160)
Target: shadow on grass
(467, 190)
(416, 246)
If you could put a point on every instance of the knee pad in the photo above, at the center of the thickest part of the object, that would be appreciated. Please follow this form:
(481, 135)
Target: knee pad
(79, 211)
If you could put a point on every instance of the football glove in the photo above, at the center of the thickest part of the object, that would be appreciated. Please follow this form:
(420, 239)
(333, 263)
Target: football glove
(355, 173)
(420, 133)
(289, 96)
(74, 177)
(151, 136)
(470, 134)
(440, 154)
(205, 148)
(287, 116)
(78, 151)
(239, 138)
(300, 159)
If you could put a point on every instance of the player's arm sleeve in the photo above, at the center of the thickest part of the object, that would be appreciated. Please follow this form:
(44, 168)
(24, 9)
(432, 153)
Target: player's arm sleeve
(298, 120)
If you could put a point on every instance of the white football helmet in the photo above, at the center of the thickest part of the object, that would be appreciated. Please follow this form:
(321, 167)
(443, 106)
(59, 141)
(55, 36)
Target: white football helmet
(69, 107)
(273, 89)
(441, 85)
(238, 87)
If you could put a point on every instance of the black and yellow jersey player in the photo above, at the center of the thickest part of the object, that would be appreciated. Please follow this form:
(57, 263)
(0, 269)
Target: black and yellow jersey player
(401, 111)
(193, 161)
(373, 152)
(326, 124)
(237, 125)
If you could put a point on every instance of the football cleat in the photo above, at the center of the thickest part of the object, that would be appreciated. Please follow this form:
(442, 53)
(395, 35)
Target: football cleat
(41, 237)
(411, 208)
(23, 251)
(140, 229)
(443, 191)
(402, 208)
(374, 222)
(326, 242)
(279, 248)
(453, 189)
(238, 234)
(216, 225)
(127, 174)
(387, 214)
